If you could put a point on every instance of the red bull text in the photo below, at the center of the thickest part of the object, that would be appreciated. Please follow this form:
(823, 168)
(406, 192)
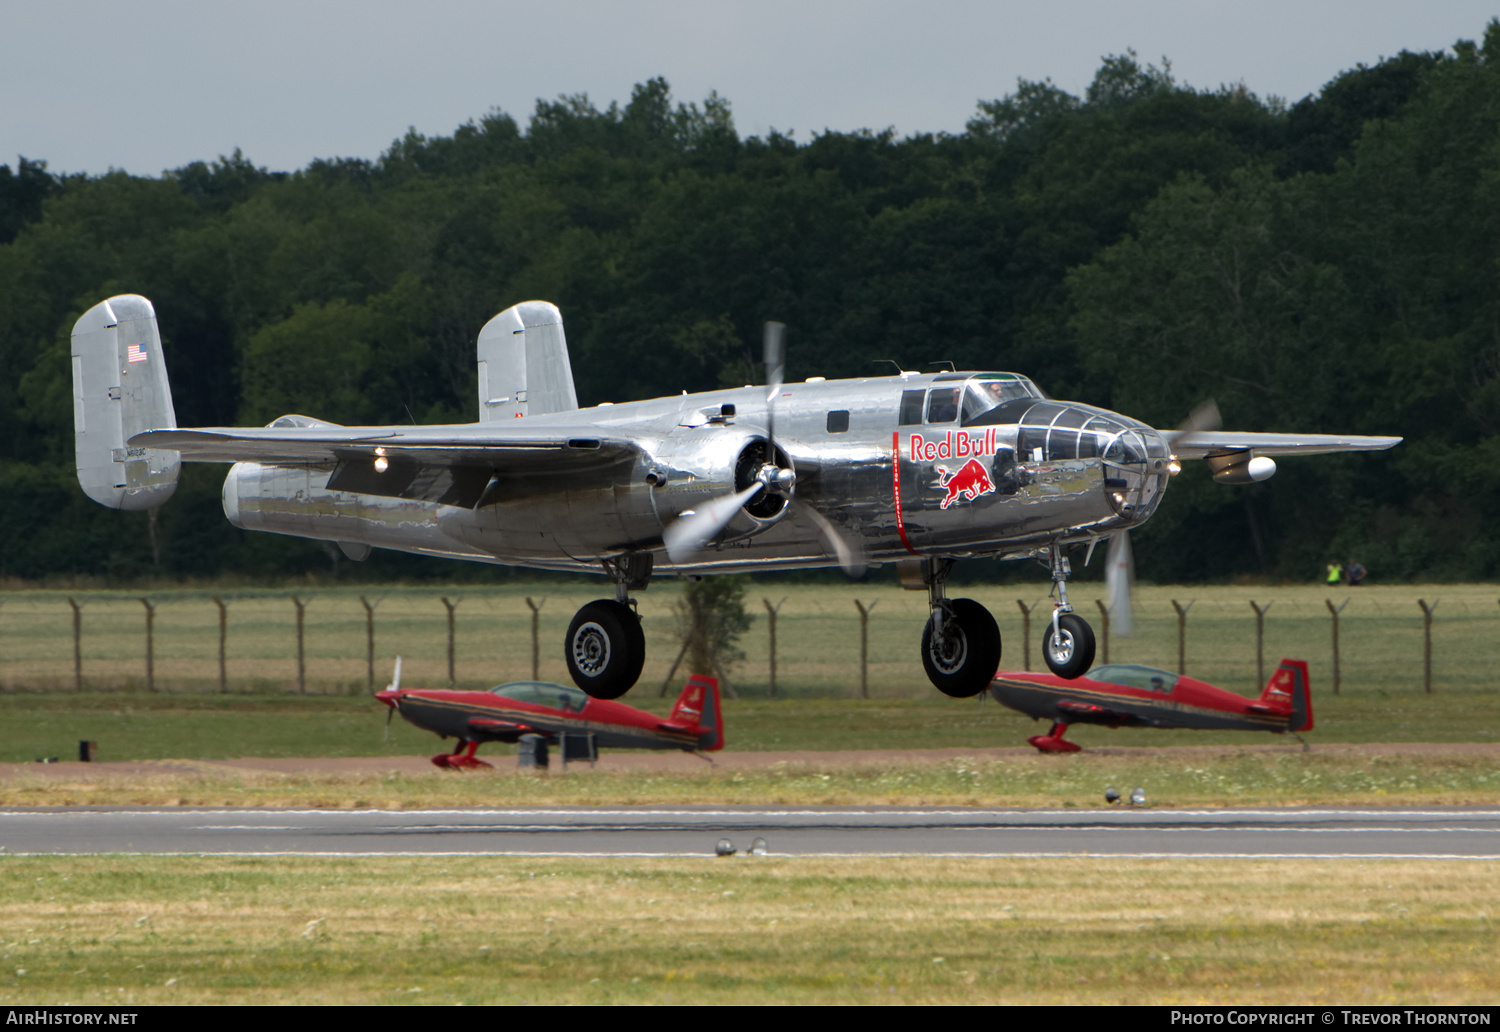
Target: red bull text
(955, 444)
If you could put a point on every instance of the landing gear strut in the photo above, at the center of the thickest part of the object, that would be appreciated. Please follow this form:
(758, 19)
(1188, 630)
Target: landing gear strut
(961, 642)
(1068, 642)
(605, 647)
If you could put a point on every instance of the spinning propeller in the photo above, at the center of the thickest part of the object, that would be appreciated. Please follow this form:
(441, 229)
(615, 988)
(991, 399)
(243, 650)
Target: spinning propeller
(693, 530)
(395, 685)
(1119, 562)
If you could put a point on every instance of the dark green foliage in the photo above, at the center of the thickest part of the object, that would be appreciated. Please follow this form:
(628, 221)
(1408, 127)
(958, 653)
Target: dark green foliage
(1331, 267)
(710, 619)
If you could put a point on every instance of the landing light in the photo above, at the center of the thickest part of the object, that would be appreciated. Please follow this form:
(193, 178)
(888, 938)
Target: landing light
(1174, 466)
(382, 464)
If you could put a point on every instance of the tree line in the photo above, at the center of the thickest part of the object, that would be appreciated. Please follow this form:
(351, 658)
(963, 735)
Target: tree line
(1324, 266)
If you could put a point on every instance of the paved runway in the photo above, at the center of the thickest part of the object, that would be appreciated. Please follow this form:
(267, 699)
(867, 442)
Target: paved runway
(689, 831)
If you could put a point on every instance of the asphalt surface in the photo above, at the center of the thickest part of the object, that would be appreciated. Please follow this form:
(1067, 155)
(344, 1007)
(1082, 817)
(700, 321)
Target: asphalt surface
(695, 831)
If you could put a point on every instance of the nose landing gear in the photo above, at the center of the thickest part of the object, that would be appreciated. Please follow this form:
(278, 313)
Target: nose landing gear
(1068, 642)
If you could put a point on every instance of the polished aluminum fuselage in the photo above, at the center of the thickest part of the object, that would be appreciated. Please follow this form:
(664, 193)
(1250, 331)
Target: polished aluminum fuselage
(893, 489)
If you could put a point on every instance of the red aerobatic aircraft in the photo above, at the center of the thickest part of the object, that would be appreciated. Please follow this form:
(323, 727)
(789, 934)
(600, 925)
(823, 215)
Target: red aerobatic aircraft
(556, 712)
(1124, 695)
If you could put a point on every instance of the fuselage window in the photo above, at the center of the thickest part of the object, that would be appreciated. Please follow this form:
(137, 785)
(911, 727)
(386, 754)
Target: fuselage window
(911, 407)
(838, 421)
(942, 405)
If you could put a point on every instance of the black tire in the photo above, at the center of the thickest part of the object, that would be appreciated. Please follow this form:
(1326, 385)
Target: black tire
(1073, 653)
(605, 648)
(963, 663)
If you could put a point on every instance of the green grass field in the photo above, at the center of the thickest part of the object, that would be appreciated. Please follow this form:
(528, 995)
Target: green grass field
(818, 637)
(130, 931)
(499, 930)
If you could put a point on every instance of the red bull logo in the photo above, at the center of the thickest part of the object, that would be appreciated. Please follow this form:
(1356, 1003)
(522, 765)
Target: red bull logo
(971, 481)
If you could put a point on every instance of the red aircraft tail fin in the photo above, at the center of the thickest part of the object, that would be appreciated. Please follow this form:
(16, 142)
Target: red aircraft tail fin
(1287, 689)
(699, 705)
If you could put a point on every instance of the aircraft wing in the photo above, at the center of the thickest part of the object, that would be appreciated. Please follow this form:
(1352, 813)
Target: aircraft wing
(488, 725)
(448, 464)
(1200, 443)
(1088, 711)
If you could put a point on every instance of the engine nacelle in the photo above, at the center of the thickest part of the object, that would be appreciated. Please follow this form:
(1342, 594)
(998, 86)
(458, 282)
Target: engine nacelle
(1241, 467)
(696, 465)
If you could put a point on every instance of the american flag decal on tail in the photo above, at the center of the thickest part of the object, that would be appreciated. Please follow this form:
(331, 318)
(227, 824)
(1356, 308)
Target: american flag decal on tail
(136, 353)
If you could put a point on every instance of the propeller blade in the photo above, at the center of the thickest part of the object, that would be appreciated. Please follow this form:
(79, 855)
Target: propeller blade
(389, 713)
(1119, 577)
(851, 557)
(775, 355)
(1204, 417)
(686, 537)
(395, 677)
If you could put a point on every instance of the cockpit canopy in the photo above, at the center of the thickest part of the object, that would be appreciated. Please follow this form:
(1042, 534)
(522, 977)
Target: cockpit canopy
(542, 693)
(1129, 675)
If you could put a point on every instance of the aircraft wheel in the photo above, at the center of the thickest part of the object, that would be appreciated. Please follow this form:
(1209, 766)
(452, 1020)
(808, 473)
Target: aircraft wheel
(963, 660)
(1070, 652)
(605, 648)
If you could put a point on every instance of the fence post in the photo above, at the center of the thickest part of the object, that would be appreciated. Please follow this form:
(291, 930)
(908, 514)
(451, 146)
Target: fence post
(301, 654)
(771, 612)
(1182, 635)
(1335, 612)
(1427, 643)
(675, 664)
(223, 634)
(1104, 623)
(864, 646)
(77, 645)
(451, 607)
(1026, 632)
(150, 631)
(1260, 639)
(369, 642)
(536, 646)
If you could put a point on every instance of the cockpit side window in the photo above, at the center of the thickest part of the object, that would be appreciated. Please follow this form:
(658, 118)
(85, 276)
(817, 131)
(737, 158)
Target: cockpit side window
(911, 407)
(942, 405)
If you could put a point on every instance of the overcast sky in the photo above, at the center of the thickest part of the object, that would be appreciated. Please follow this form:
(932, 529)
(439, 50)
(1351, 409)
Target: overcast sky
(148, 85)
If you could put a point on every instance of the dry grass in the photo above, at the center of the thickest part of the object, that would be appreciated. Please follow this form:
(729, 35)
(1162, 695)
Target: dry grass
(495, 930)
(1233, 778)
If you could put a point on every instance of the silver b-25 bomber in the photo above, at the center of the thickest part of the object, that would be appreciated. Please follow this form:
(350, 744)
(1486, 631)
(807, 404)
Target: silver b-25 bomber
(914, 469)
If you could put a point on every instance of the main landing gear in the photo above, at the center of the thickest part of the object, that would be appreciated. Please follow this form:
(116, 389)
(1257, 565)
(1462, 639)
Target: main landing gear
(605, 647)
(1053, 741)
(1068, 642)
(462, 758)
(961, 642)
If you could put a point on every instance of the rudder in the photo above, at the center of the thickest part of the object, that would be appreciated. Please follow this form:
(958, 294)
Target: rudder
(524, 368)
(699, 704)
(120, 389)
(1289, 684)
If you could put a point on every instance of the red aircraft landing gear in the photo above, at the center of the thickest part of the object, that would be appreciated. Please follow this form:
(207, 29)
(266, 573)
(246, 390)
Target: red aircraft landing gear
(1053, 741)
(462, 758)
(1068, 642)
